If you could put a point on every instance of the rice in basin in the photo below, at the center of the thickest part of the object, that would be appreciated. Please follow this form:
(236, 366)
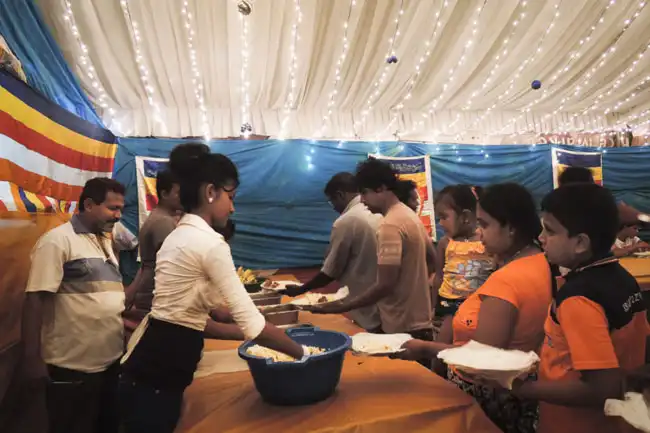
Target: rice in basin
(265, 352)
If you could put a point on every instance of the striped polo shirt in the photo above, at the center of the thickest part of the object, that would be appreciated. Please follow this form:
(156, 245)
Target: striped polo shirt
(82, 323)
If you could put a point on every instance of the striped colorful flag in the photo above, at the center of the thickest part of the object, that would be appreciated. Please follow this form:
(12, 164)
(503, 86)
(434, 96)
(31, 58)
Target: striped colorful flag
(146, 170)
(563, 159)
(46, 150)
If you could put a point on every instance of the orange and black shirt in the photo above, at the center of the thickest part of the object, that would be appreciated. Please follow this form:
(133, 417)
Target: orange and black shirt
(597, 321)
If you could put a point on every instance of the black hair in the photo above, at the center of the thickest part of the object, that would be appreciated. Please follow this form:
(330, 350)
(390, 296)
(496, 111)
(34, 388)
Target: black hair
(194, 165)
(586, 208)
(575, 175)
(341, 182)
(512, 204)
(97, 188)
(373, 174)
(165, 181)
(461, 197)
(403, 190)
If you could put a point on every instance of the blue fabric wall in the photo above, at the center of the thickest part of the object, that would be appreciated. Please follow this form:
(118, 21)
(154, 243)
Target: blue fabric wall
(283, 218)
(47, 71)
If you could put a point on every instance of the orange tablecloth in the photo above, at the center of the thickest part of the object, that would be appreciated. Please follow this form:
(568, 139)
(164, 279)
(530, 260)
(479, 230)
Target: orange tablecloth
(374, 395)
(639, 267)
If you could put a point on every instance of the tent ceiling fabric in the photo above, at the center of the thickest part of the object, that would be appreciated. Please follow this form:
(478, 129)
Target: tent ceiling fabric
(590, 56)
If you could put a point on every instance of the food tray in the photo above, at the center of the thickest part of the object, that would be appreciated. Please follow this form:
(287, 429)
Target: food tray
(267, 300)
(279, 315)
(262, 294)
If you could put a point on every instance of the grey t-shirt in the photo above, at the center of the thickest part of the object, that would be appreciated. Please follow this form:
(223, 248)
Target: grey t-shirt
(352, 257)
(153, 233)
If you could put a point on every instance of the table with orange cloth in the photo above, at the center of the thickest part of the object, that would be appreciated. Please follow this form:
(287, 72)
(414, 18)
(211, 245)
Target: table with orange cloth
(639, 267)
(374, 395)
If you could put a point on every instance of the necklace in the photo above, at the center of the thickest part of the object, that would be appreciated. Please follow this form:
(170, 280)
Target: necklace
(516, 255)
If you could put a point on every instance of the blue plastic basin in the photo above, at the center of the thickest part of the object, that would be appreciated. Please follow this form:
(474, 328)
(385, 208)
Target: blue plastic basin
(300, 382)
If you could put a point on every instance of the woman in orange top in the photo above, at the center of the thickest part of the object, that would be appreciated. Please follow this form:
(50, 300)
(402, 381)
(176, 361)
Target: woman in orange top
(509, 310)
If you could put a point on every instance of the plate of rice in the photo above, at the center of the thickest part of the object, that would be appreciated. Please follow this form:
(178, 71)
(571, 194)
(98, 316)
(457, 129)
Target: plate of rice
(368, 344)
(321, 298)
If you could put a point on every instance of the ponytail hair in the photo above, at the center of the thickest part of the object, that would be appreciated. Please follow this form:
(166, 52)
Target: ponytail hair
(194, 166)
(461, 197)
(512, 204)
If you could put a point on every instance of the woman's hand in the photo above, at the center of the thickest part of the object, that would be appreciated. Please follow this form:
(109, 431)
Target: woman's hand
(412, 350)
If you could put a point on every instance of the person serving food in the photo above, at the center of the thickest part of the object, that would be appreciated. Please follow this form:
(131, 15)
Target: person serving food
(405, 259)
(194, 275)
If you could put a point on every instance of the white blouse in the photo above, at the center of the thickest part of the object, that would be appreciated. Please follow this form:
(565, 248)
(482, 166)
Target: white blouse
(194, 274)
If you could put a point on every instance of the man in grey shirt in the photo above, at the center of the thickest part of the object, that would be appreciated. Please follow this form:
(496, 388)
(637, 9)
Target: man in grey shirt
(352, 255)
(160, 223)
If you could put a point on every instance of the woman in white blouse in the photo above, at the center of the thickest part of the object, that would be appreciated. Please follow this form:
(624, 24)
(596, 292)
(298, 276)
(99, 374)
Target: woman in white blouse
(195, 274)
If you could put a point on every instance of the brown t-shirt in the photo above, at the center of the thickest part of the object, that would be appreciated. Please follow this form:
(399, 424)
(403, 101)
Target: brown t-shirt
(153, 232)
(402, 241)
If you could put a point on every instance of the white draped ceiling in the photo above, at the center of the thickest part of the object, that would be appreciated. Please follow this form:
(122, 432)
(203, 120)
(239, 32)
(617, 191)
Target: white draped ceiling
(463, 72)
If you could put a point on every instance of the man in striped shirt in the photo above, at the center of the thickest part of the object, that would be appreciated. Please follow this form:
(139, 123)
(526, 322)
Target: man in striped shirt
(72, 327)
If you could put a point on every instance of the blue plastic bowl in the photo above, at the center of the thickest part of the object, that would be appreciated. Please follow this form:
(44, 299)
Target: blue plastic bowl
(300, 382)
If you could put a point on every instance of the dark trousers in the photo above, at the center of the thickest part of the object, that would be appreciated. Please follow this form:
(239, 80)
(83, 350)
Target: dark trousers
(80, 402)
(145, 409)
(426, 335)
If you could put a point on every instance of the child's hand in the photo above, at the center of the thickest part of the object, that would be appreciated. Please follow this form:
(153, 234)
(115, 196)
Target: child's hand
(641, 246)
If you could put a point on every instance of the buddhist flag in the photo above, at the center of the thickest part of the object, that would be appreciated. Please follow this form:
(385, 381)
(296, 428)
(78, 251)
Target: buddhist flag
(146, 171)
(562, 159)
(46, 153)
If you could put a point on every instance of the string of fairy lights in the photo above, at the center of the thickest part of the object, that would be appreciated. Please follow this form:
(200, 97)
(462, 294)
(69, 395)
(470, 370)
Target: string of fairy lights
(620, 94)
(578, 50)
(389, 58)
(86, 64)
(333, 94)
(585, 78)
(197, 82)
(293, 66)
(246, 127)
(145, 78)
(415, 75)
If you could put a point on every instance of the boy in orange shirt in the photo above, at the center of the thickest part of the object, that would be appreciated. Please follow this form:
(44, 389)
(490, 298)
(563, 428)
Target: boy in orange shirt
(596, 328)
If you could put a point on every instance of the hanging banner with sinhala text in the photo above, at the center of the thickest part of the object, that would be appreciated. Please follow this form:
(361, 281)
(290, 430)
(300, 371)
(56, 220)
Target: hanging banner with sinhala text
(418, 170)
(563, 159)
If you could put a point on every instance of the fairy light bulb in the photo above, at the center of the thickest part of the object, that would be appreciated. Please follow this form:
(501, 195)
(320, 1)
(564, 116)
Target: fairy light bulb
(333, 95)
(293, 66)
(368, 106)
(103, 100)
(199, 88)
(143, 70)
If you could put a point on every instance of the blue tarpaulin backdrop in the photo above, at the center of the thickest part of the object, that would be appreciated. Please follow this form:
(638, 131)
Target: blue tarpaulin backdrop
(283, 218)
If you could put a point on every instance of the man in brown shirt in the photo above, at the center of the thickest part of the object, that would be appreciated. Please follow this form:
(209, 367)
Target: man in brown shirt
(405, 259)
(160, 223)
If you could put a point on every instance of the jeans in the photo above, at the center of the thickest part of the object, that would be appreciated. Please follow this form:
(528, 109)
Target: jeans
(147, 409)
(79, 402)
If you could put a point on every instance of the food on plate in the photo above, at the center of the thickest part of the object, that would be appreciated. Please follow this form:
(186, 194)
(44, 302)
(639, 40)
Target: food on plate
(322, 299)
(378, 344)
(268, 284)
(265, 352)
(246, 276)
